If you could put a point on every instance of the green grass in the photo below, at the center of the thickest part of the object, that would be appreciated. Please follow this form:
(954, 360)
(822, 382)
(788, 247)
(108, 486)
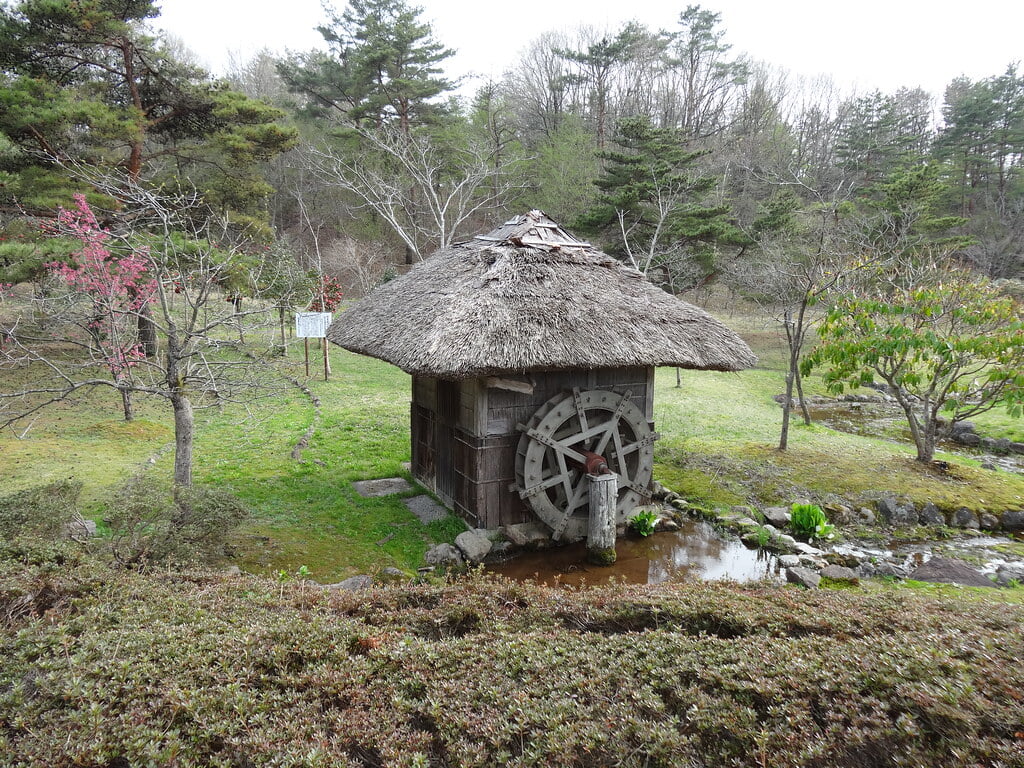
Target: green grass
(719, 432)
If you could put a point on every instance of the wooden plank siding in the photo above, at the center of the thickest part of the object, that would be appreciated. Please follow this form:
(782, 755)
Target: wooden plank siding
(464, 435)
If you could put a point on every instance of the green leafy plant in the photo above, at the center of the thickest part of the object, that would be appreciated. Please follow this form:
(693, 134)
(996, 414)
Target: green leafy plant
(809, 521)
(643, 522)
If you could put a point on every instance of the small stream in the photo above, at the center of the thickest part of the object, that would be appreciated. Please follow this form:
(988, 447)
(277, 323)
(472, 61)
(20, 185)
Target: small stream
(696, 552)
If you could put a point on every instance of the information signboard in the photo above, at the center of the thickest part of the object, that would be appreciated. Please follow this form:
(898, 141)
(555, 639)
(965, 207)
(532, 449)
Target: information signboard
(312, 325)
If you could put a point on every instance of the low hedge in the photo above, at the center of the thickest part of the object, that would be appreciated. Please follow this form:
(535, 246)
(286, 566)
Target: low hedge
(110, 668)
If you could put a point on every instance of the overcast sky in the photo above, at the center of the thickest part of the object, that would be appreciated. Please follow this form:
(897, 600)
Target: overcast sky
(865, 45)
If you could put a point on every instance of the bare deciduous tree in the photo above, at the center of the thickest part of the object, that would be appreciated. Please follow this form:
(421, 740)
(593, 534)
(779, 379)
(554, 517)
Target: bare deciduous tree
(201, 360)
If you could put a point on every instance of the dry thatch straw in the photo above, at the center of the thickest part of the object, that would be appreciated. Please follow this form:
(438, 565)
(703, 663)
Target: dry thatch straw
(530, 297)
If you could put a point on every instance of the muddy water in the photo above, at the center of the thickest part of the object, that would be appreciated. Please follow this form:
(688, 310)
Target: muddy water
(695, 552)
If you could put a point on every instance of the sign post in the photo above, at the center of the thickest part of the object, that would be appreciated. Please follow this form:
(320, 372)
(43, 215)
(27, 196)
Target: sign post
(314, 325)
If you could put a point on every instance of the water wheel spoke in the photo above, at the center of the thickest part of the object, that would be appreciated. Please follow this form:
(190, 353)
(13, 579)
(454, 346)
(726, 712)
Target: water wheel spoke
(581, 412)
(551, 450)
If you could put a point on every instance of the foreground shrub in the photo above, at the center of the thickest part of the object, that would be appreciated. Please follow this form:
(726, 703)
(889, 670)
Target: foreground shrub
(193, 669)
(40, 513)
(151, 524)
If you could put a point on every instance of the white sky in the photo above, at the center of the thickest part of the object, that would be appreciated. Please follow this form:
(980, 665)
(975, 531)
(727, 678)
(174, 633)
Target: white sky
(865, 45)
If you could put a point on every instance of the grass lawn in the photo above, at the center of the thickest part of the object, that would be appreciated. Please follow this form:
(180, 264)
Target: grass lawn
(718, 447)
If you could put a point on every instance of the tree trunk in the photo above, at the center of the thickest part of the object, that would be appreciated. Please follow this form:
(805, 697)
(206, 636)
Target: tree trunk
(184, 426)
(786, 409)
(923, 435)
(800, 397)
(147, 331)
(679, 382)
(126, 403)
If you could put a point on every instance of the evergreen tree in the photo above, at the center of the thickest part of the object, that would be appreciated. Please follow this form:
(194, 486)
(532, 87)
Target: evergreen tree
(85, 82)
(654, 208)
(383, 67)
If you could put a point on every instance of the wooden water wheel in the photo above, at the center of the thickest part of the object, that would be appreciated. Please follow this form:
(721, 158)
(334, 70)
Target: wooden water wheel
(550, 460)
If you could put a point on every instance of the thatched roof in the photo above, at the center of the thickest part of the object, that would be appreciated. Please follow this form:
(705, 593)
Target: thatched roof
(527, 297)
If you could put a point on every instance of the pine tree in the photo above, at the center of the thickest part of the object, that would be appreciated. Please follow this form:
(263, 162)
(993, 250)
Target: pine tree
(654, 207)
(383, 67)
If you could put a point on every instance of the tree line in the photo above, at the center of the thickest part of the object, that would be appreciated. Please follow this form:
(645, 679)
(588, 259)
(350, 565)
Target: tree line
(690, 161)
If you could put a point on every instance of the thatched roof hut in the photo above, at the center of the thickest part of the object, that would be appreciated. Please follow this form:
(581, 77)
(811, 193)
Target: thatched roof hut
(529, 348)
(531, 297)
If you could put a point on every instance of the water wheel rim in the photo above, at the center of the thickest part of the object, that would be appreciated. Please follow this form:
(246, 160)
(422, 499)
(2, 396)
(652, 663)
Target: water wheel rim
(549, 479)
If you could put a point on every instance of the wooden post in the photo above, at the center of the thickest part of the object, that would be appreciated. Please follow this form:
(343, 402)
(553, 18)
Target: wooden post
(327, 360)
(604, 497)
(306, 346)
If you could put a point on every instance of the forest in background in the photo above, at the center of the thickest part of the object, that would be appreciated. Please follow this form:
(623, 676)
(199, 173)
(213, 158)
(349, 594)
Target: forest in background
(668, 147)
(295, 179)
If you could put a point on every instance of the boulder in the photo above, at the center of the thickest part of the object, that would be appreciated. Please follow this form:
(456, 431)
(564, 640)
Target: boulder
(965, 518)
(845, 556)
(390, 575)
(865, 516)
(789, 561)
(777, 516)
(352, 584)
(1017, 447)
(988, 521)
(812, 561)
(528, 535)
(946, 570)
(803, 548)
(1008, 572)
(79, 529)
(962, 427)
(1013, 520)
(930, 515)
(967, 438)
(473, 546)
(883, 568)
(839, 573)
(805, 577)
(888, 508)
(443, 555)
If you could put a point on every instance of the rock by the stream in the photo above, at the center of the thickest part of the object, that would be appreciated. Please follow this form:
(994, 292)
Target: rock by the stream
(805, 577)
(894, 513)
(1013, 520)
(474, 545)
(1008, 572)
(777, 516)
(803, 548)
(789, 561)
(882, 569)
(839, 573)
(930, 515)
(443, 555)
(946, 570)
(965, 518)
(988, 521)
(352, 584)
(528, 535)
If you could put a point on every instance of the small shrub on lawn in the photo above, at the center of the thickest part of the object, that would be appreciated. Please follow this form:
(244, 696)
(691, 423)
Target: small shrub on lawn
(39, 513)
(151, 524)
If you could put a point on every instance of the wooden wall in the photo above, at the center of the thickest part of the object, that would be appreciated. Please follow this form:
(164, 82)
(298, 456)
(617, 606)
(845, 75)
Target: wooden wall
(464, 435)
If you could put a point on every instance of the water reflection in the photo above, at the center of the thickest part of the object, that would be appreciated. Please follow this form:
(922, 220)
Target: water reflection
(695, 552)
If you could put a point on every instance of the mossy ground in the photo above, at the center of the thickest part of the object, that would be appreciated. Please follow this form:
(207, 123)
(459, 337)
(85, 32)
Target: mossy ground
(719, 432)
